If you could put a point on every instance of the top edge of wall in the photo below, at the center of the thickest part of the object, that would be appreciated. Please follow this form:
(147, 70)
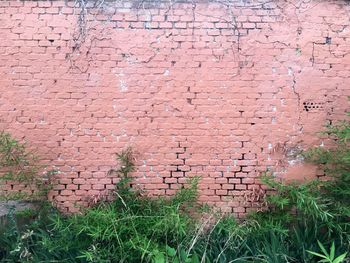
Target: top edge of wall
(166, 4)
(148, 1)
(150, 4)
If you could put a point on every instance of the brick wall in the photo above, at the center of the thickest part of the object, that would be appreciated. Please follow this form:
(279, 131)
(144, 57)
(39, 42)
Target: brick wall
(222, 90)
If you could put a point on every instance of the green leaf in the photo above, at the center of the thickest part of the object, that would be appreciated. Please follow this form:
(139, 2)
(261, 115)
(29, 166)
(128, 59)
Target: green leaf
(183, 255)
(171, 252)
(332, 253)
(323, 249)
(195, 259)
(159, 258)
(316, 254)
(340, 258)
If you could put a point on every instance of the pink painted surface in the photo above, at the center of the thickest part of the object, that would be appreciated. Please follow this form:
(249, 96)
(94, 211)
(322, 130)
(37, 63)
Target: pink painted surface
(195, 89)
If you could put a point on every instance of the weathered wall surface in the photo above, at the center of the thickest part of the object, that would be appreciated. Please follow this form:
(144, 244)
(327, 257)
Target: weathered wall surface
(222, 90)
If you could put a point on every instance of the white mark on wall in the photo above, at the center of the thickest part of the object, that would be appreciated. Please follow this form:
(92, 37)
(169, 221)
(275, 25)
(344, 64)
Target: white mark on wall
(123, 86)
(166, 72)
(116, 137)
(124, 10)
(122, 83)
(294, 162)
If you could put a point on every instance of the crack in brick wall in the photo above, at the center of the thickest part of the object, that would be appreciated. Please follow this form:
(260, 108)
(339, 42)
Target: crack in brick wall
(200, 88)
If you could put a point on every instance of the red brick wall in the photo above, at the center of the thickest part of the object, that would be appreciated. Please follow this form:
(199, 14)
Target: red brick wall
(219, 90)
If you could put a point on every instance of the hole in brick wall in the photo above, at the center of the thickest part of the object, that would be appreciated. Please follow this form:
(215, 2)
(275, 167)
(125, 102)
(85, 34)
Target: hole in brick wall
(328, 40)
(51, 40)
(312, 106)
(299, 30)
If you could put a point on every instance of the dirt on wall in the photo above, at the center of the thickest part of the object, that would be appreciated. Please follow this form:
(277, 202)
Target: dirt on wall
(222, 90)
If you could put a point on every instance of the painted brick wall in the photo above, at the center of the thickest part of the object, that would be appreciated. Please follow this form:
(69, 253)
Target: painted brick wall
(222, 90)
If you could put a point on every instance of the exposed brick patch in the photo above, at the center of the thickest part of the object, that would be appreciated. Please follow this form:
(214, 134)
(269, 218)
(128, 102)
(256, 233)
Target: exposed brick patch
(201, 88)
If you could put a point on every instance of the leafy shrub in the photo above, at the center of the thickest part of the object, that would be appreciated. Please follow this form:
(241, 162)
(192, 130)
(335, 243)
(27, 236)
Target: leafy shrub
(132, 228)
(336, 162)
(302, 219)
(20, 166)
(317, 210)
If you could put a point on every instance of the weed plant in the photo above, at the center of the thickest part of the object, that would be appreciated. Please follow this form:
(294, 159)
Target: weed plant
(19, 166)
(303, 223)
